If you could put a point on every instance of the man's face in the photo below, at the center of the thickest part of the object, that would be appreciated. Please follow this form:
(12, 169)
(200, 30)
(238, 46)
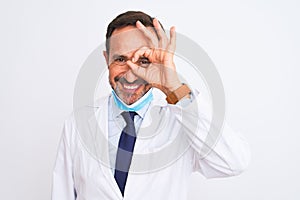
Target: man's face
(123, 43)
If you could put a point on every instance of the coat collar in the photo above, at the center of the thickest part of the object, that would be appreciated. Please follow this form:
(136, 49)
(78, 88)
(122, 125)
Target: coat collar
(98, 127)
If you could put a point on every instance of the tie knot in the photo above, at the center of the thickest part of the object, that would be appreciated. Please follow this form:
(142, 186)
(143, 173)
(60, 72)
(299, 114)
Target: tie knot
(128, 117)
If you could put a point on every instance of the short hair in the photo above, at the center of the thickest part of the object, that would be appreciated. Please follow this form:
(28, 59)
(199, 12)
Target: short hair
(128, 18)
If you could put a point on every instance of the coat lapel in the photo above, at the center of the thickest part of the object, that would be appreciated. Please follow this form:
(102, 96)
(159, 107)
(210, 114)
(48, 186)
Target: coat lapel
(98, 124)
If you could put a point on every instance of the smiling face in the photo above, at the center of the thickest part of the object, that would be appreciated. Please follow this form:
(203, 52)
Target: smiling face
(123, 43)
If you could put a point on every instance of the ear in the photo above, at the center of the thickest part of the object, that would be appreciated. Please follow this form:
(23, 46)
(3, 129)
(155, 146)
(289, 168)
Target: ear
(106, 57)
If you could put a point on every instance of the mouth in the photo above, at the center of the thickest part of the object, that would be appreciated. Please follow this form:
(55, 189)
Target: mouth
(130, 88)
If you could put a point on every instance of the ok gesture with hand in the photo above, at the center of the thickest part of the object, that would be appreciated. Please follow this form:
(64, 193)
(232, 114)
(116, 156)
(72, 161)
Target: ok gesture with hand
(160, 71)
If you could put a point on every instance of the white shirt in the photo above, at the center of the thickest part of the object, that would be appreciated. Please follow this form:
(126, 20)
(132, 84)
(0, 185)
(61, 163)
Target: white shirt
(83, 166)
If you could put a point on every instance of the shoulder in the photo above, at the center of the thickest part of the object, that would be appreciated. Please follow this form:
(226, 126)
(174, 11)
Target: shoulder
(79, 120)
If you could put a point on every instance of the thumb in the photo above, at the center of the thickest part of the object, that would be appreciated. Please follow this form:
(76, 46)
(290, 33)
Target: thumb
(137, 70)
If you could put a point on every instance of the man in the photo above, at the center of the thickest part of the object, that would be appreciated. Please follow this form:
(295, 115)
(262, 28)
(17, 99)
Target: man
(146, 160)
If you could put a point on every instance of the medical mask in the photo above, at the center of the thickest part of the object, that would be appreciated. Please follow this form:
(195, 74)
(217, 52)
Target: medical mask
(136, 105)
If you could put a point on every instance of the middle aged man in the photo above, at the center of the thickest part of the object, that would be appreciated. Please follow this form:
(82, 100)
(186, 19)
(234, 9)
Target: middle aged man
(139, 56)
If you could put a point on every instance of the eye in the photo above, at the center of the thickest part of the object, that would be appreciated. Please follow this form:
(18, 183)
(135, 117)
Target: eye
(120, 60)
(144, 62)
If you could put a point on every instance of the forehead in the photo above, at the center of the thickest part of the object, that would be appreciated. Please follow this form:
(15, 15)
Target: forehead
(127, 39)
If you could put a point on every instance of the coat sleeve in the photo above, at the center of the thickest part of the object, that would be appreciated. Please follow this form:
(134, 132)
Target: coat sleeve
(230, 155)
(63, 183)
(216, 154)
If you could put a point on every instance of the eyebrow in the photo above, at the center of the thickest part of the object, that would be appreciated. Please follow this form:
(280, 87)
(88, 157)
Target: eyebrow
(119, 56)
(143, 57)
(114, 57)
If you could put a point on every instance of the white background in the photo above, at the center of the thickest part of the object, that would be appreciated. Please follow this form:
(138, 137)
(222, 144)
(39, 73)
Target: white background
(255, 46)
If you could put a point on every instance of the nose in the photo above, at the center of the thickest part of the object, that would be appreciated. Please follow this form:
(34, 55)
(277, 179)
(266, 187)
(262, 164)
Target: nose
(130, 76)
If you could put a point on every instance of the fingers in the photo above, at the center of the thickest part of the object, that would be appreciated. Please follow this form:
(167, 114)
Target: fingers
(166, 47)
(164, 42)
(137, 70)
(172, 44)
(163, 39)
(146, 32)
(153, 55)
(144, 51)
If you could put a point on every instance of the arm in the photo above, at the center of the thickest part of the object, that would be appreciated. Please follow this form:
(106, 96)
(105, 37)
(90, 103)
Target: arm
(215, 152)
(226, 155)
(229, 157)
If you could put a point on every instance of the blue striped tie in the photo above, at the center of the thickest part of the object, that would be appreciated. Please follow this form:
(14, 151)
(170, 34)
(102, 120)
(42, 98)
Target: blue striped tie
(125, 149)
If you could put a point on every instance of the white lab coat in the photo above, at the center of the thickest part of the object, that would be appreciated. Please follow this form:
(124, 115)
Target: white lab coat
(80, 174)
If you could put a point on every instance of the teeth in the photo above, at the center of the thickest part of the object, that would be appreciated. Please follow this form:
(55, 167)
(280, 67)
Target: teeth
(131, 87)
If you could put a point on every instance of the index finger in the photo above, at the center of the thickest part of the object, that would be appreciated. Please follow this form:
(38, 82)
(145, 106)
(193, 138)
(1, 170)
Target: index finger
(163, 40)
(146, 32)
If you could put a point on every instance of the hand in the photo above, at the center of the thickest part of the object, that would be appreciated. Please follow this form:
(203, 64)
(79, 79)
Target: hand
(161, 71)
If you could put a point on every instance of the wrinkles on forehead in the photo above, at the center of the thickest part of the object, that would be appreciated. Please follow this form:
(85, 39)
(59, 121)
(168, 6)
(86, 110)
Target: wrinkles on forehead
(125, 41)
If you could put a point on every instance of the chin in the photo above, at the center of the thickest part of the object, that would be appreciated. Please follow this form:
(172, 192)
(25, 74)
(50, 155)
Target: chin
(130, 100)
